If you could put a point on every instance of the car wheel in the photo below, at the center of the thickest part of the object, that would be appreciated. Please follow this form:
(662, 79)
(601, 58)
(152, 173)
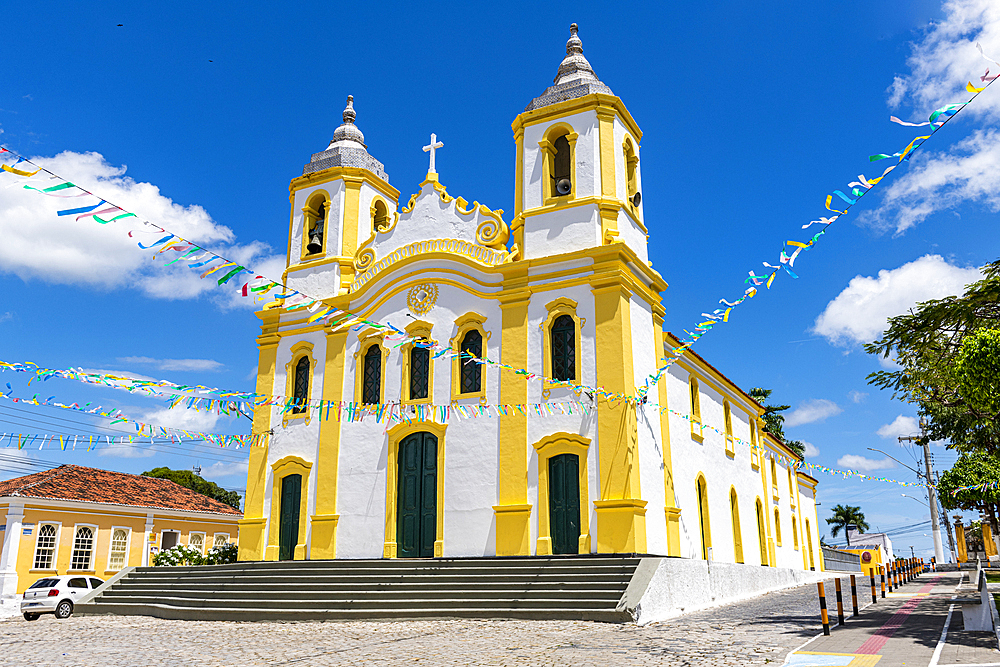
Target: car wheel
(64, 609)
(31, 617)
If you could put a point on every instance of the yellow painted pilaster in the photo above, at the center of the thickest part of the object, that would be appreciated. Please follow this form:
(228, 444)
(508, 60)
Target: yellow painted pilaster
(609, 189)
(513, 513)
(324, 523)
(988, 544)
(670, 509)
(251, 539)
(517, 224)
(621, 512)
(963, 553)
(349, 234)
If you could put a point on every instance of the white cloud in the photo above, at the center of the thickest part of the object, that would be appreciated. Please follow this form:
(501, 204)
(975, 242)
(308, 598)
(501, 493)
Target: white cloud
(6, 316)
(226, 469)
(39, 245)
(175, 364)
(140, 449)
(901, 425)
(16, 462)
(941, 63)
(182, 418)
(811, 449)
(812, 410)
(860, 312)
(857, 396)
(855, 462)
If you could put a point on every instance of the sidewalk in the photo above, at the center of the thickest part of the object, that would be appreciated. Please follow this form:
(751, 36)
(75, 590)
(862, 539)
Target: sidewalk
(904, 628)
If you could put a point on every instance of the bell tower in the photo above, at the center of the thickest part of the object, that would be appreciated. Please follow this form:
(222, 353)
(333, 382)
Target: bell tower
(577, 183)
(342, 196)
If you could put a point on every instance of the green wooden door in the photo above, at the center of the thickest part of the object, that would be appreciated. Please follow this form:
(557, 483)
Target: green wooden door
(288, 526)
(564, 503)
(416, 505)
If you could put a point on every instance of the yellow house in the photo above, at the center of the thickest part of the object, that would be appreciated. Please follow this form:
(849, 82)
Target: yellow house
(74, 519)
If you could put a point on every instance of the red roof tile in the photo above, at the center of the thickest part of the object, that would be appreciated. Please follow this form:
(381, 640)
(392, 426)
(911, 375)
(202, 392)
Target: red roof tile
(93, 485)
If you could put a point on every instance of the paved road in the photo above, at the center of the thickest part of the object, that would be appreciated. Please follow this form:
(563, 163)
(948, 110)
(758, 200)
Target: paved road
(756, 632)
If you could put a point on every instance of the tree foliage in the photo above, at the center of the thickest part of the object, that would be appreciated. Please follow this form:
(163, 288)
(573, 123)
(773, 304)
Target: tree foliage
(774, 421)
(969, 470)
(189, 480)
(941, 372)
(844, 516)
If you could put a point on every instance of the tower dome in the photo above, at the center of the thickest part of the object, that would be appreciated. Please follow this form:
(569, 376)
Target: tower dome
(575, 77)
(346, 149)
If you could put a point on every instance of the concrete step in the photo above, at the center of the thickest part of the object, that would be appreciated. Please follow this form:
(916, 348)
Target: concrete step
(267, 586)
(267, 613)
(503, 601)
(328, 596)
(321, 581)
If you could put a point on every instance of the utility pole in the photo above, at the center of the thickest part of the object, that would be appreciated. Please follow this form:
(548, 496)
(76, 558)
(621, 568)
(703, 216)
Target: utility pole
(947, 523)
(931, 491)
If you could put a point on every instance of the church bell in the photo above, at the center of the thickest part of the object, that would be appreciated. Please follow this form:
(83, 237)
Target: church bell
(315, 240)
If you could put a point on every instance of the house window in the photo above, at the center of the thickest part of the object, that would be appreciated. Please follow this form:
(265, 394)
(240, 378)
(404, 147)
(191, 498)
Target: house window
(761, 539)
(197, 541)
(380, 216)
(372, 389)
(472, 370)
(301, 387)
(777, 526)
(754, 452)
(83, 548)
(119, 549)
(420, 364)
(774, 475)
(45, 547)
(221, 540)
(791, 486)
(734, 508)
(564, 348)
(727, 413)
(695, 408)
(795, 533)
(703, 522)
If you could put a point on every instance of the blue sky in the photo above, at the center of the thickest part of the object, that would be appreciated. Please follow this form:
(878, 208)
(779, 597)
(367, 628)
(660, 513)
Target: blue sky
(197, 115)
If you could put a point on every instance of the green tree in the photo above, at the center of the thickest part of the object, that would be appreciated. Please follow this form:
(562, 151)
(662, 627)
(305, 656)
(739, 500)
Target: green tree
(774, 421)
(844, 516)
(189, 480)
(969, 470)
(943, 348)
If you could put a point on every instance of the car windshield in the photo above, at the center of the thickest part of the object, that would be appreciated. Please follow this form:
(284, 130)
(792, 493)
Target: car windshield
(45, 583)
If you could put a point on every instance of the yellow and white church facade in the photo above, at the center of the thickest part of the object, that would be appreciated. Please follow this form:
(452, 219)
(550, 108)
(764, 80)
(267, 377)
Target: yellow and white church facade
(565, 290)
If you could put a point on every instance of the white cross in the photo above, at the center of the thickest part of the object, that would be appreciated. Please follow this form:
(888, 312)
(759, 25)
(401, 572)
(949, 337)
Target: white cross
(434, 145)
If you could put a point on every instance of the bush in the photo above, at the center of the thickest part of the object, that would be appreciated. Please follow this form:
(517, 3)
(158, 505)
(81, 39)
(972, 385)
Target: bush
(221, 555)
(185, 555)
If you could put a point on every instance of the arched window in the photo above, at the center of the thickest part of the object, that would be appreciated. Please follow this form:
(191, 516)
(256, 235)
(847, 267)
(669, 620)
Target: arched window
(774, 475)
(795, 533)
(472, 372)
(777, 527)
(695, 408)
(300, 388)
(420, 363)
(754, 450)
(727, 417)
(631, 181)
(703, 522)
(315, 216)
(380, 216)
(372, 388)
(734, 508)
(564, 348)
(809, 545)
(761, 533)
(197, 541)
(83, 548)
(119, 549)
(562, 177)
(45, 547)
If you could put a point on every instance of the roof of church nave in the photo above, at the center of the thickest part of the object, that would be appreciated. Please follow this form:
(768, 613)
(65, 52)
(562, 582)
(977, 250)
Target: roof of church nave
(575, 77)
(346, 149)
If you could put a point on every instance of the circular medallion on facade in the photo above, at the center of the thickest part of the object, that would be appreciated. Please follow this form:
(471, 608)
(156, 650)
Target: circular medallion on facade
(422, 298)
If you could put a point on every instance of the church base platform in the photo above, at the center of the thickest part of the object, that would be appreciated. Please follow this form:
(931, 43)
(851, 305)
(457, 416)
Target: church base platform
(571, 588)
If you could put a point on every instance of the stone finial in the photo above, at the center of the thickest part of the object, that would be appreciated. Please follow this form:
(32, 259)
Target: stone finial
(574, 44)
(348, 131)
(574, 66)
(349, 114)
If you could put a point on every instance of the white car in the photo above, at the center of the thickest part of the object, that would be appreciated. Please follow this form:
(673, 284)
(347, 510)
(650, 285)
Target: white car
(56, 595)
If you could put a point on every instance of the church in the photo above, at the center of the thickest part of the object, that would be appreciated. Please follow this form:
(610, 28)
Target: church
(562, 288)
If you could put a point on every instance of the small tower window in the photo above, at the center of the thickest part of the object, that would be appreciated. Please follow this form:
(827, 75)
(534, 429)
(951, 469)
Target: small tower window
(420, 363)
(562, 182)
(472, 371)
(316, 223)
(380, 216)
(564, 348)
(372, 389)
(300, 394)
(631, 180)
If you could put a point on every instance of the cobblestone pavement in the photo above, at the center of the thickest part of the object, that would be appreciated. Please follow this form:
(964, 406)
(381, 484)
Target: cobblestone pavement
(757, 632)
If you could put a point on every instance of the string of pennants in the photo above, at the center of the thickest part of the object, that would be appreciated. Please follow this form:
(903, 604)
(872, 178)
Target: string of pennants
(985, 486)
(62, 441)
(226, 270)
(791, 250)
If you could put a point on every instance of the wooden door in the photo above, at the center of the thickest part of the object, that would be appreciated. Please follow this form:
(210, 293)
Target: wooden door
(288, 526)
(564, 503)
(416, 504)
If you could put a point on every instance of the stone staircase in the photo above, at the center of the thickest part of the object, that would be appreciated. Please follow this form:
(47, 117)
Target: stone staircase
(576, 587)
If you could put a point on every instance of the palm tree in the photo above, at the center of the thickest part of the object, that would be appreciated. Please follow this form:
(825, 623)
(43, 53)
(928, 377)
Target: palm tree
(844, 516)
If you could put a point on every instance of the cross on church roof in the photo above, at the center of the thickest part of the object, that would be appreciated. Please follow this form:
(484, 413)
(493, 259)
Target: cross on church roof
(431, 148)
